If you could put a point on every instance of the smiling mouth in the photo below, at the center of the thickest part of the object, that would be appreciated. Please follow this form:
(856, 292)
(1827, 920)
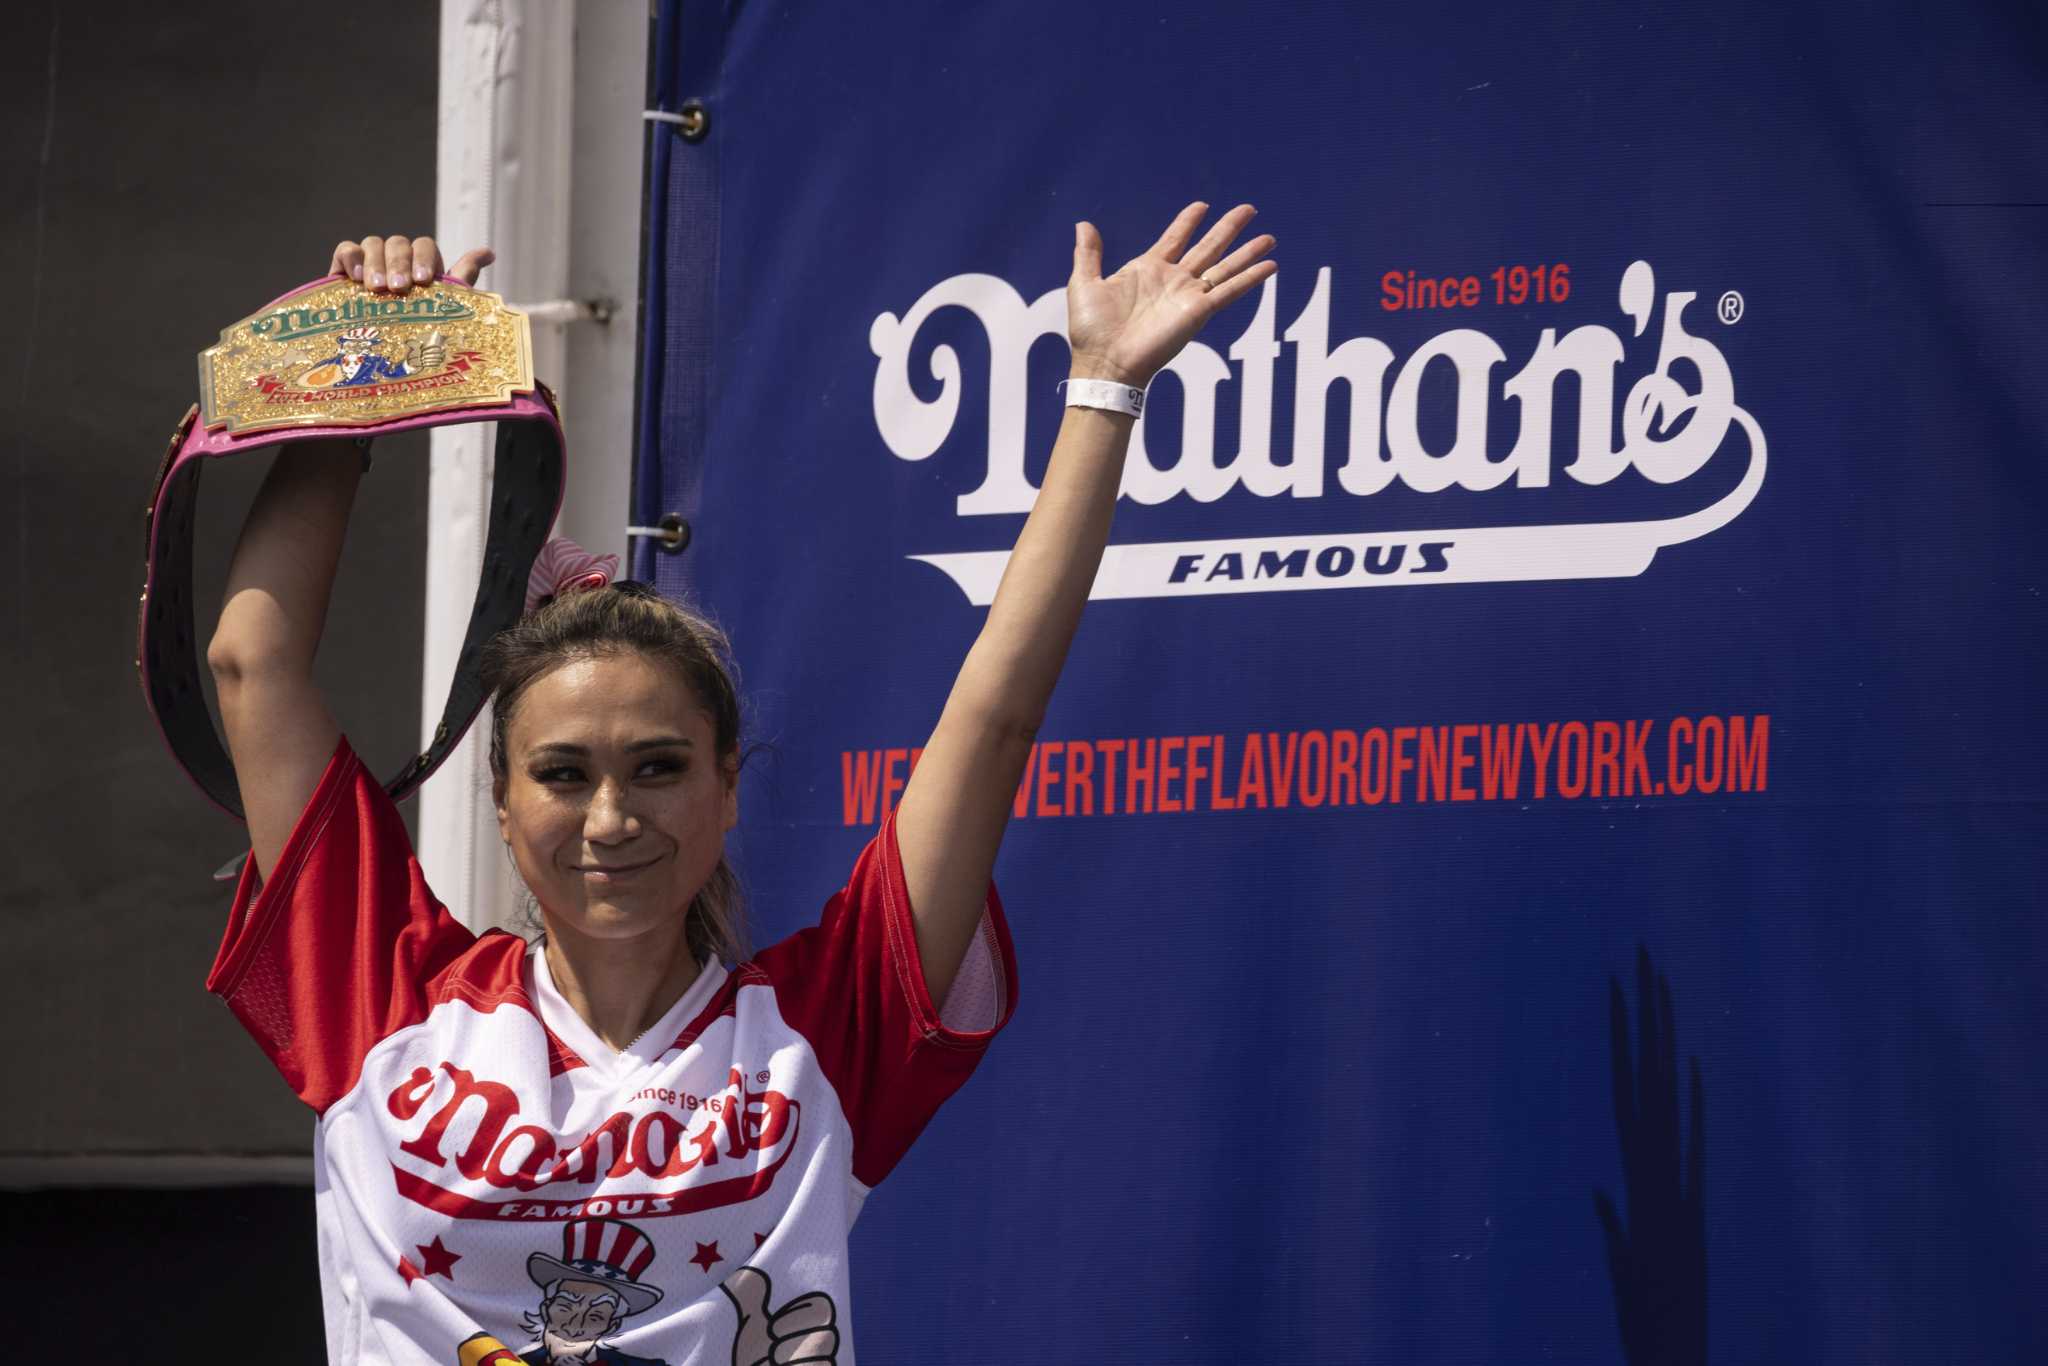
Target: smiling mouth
(608, 874)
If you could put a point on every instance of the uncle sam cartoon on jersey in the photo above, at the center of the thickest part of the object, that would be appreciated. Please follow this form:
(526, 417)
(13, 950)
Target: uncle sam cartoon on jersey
(589, 1292)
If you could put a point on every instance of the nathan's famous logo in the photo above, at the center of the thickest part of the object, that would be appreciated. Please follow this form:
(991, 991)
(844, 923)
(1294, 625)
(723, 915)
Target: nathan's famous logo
(292, 321)
(689, 1153)
(1669, 433)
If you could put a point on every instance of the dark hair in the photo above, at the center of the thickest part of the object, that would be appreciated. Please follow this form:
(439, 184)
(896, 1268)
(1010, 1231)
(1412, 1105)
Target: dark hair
(614, 620)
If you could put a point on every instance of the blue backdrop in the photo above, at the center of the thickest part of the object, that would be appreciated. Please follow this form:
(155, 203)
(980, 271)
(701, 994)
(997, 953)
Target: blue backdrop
(1338, 1040)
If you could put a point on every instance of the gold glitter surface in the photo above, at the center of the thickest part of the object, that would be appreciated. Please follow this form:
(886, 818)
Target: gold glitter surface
(336, 355)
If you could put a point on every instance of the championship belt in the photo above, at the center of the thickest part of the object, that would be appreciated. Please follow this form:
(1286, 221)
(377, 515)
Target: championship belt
(329, 360)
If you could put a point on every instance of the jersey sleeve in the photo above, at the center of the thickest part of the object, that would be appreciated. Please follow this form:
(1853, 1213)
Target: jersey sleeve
(854, 987)
(336, 951)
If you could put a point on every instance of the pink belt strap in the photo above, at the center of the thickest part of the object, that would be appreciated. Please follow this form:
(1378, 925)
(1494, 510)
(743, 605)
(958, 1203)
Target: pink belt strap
(331, 360)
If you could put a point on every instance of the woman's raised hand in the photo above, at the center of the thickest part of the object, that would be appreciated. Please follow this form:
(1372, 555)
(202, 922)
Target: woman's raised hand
(395, 264)
(1128, 325)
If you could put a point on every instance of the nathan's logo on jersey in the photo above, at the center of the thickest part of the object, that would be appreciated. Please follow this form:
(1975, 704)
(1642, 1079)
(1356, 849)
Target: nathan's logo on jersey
(721, 1150)
(1670, 431)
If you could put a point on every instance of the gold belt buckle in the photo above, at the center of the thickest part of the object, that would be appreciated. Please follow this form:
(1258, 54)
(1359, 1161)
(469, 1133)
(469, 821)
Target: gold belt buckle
(335, 355)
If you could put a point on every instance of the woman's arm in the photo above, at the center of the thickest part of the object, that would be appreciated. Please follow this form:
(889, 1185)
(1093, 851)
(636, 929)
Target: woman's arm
(280, 730)
(1123, 328)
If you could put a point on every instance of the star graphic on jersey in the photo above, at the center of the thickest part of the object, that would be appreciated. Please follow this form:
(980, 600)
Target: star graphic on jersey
(707, 1256)
(759, 1239)
(408, 1270)
(438, 1260)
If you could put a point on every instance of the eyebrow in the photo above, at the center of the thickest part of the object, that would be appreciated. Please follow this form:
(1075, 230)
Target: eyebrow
(561, 747)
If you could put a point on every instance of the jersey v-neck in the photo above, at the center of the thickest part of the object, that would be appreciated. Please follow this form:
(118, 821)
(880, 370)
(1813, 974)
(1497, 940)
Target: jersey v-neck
(565, 1024)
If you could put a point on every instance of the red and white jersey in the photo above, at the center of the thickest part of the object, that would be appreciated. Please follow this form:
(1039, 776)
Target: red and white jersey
(495, 1184)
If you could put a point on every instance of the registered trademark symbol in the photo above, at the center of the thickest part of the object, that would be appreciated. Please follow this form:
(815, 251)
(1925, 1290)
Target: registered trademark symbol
(760, 1079)
(1731, 307)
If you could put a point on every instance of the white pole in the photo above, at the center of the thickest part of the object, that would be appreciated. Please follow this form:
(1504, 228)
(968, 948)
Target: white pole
(502, 167)
(539, 156)
(607, 138)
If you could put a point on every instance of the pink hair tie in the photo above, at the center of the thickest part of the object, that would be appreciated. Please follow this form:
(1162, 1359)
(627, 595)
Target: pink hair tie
(566, 567)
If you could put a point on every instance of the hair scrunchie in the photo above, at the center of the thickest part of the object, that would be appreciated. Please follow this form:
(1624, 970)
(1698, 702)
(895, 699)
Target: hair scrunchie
(566, 567)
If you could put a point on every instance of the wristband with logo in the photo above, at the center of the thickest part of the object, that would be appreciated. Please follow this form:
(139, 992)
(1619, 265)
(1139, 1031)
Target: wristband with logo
(1104, 393)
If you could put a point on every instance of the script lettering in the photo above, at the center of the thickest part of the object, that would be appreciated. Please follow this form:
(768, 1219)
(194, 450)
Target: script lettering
(1669, 432)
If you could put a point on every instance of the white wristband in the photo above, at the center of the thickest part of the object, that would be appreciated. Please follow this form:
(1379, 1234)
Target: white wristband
(1104, 393)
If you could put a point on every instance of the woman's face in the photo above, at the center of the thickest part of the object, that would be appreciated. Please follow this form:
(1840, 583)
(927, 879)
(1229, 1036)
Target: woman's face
(614, 803)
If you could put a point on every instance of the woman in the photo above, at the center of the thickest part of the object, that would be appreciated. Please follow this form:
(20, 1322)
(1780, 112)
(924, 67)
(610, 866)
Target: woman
(612, 1145)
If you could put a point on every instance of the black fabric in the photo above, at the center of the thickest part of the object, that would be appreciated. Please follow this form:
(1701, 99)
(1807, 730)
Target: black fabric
(198, 1275)
(526, 490)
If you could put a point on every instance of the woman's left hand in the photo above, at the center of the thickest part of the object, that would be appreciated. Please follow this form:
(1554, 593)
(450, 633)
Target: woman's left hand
(1129, 325)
